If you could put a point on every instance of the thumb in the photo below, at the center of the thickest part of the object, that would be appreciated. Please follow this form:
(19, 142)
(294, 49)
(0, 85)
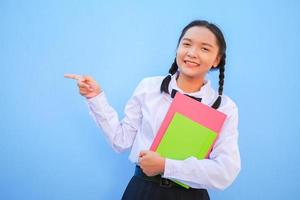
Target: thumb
(85, 79)
(88, 79)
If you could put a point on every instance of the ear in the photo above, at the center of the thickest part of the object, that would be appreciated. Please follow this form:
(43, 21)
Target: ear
(217, 61)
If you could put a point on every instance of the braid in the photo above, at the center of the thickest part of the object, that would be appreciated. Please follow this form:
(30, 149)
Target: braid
(222, 74)
(164, 87)
(173, 68)
(221, 66)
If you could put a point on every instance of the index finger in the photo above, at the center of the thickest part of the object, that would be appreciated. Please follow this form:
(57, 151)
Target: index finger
(73, 76)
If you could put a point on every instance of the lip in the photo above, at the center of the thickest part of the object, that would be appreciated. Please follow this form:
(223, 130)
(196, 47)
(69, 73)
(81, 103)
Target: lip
(191, 63)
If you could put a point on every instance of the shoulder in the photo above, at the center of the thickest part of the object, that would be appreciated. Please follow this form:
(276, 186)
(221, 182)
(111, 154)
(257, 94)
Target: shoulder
(150, 84)
(228, 106)
(148, 89)
(150, 81)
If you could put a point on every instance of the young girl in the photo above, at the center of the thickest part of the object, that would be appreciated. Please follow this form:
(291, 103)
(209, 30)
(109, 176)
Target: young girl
(201, 47)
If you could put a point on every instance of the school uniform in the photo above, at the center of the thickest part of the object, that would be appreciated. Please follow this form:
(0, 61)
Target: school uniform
(144, 113)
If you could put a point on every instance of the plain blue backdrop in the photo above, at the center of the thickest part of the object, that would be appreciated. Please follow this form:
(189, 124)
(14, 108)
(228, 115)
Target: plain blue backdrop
(51, 149)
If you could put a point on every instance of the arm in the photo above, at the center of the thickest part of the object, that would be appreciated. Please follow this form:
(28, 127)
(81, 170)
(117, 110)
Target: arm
(120, 134)
(219, 170)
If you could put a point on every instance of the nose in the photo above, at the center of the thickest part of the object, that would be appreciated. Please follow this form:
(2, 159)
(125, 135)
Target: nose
(191, 52)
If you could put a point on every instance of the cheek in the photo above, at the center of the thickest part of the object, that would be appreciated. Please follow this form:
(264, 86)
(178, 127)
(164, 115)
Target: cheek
(179, 60)
(208, 59)
(179, 56)
(180, 51)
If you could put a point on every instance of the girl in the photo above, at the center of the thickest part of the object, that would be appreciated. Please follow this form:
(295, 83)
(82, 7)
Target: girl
(201, 47)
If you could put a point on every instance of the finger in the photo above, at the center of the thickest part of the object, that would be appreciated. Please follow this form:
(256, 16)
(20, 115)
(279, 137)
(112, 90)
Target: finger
(89, 80)
(141, 162)
(81, 84)
(73, 76)
(84, 91)
(90, 84)
(143, 153)
(85, 94)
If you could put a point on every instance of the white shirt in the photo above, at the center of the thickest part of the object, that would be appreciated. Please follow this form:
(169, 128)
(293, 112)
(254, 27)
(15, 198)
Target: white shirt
(144, 113)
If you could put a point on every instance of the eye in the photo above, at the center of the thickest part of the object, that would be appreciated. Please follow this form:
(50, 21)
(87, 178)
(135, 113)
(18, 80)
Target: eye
(186, 44)
(205, 49)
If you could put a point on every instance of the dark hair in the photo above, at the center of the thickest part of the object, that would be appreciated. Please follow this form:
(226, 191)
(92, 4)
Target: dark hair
(222, 52)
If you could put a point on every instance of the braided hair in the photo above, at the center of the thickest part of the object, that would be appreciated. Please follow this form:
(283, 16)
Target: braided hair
(221, 66)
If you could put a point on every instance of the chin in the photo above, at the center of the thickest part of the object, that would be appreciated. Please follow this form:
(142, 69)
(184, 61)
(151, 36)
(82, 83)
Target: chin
(191, 73)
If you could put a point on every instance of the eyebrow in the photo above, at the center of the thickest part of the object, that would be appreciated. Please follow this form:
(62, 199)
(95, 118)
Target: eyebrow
(203, 43)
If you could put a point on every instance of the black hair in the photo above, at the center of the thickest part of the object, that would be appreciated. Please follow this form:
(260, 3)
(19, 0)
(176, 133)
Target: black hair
(222, 53)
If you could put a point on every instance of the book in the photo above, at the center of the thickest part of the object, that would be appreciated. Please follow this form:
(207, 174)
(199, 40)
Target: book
(184, 138)
(190, 128)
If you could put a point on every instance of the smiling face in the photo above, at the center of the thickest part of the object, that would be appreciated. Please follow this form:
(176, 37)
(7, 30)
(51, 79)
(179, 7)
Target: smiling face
(197, 53)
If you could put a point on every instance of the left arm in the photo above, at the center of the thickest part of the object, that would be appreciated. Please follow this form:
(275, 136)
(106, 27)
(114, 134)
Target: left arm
(218, 171)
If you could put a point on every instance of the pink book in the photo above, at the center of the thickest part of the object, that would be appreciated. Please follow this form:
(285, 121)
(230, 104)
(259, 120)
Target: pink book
(196, 111)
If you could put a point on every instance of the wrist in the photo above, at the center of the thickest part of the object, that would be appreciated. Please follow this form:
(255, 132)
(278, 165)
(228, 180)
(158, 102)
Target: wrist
(90, 96)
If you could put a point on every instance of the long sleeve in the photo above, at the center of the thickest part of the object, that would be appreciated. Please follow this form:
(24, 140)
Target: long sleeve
(220, 169)
(120, 134)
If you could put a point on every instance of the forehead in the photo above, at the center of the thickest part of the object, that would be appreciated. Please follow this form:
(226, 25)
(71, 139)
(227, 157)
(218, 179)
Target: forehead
(200, 34)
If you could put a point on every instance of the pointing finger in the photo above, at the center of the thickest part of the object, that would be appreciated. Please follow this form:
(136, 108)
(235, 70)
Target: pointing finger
(73, 76)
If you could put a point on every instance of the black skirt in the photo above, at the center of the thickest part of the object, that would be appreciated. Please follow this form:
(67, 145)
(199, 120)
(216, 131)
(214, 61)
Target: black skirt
(142, 187)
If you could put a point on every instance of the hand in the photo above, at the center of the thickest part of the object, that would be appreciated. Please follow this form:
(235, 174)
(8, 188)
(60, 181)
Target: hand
(88, 87)
(151, 163)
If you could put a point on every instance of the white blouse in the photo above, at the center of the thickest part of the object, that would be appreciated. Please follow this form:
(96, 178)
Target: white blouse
(144, 113)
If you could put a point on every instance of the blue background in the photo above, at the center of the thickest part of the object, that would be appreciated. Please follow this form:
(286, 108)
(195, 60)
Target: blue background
(50, 148)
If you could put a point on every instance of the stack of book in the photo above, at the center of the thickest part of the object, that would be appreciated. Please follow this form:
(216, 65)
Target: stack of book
(190, 128)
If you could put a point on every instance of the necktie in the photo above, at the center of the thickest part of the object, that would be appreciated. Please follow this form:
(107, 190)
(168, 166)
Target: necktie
(175, 91)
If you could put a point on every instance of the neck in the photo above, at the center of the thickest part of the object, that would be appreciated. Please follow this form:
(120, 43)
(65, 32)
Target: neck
(190, 84)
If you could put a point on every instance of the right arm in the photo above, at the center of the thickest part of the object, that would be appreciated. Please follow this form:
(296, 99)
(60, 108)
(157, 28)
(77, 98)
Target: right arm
(120, 134)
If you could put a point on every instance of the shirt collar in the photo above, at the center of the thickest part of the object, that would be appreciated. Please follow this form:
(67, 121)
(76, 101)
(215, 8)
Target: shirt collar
(206, 92)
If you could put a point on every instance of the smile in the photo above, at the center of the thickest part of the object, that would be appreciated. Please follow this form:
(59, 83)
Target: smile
(191, 63)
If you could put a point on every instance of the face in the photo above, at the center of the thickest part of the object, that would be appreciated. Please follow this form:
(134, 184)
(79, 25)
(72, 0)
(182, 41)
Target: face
(197, 52)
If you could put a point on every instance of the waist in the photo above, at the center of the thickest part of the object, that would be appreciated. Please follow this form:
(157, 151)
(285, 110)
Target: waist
(163, 182)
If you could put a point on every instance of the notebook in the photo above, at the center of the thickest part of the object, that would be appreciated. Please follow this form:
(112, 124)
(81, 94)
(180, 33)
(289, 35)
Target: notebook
(184, 138)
